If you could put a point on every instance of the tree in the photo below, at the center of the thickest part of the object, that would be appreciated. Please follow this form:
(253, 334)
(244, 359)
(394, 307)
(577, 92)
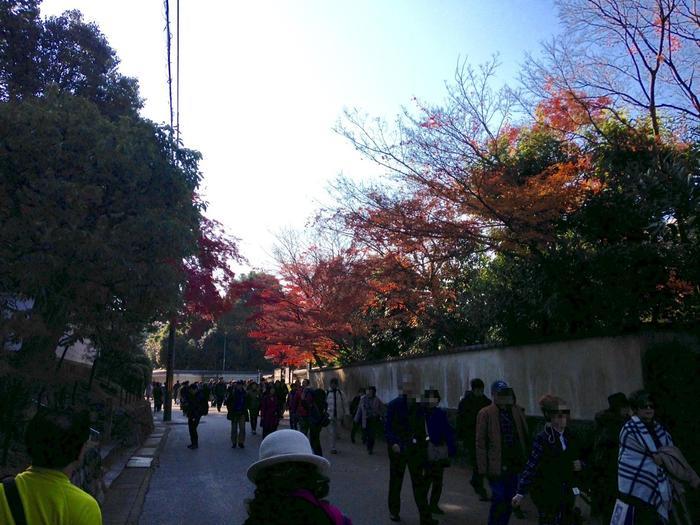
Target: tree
(62, 53)
(94, 213)
(641, 55)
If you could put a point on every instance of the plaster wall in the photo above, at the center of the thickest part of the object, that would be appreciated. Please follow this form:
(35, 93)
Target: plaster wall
(583, 372)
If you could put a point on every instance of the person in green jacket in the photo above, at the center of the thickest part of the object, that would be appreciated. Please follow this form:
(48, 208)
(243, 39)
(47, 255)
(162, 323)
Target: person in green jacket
(55, 441)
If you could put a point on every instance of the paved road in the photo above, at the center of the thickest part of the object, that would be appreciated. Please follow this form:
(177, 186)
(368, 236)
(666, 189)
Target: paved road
(209, 485)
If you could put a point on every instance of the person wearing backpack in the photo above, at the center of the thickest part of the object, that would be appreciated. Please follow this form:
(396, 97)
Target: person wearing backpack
(43, 494)
(290, 484)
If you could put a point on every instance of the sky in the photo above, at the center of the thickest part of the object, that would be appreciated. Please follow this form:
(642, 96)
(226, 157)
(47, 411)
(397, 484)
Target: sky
(262, 85)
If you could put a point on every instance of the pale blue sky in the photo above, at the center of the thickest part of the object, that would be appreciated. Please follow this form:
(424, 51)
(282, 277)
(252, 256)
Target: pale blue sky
(263, 84)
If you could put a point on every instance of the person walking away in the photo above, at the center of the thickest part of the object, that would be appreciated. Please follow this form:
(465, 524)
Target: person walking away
(550, 472)
(236, 407)
(442, 442)
(501, 449)
(303, 406)
(220, 392)
(405, 434)
(292, 401)
(368, 416)
(290, 484)
(269, 410)
(253, 405)
(43, 493)
(336, 412)
(318, 418)
(469, 406)
(196, 407)
(354, 407)
(157, 397)
(184, 396)
(606, 446)
(281, 391)
(176, 392)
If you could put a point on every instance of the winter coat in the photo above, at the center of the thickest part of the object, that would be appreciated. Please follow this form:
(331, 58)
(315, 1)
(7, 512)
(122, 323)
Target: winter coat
(405, 425)
(269, 411)
(369, 407)
(467, 410)
(489, 453)
(336, 404)
(440, 431)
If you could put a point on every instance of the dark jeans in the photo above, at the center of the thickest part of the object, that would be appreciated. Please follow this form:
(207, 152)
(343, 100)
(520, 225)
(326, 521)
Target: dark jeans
(397, 468)
(293, 421)
(253, 415)
(434, 473)
(315, 438)
(192, 423)
(304, 425)
(503, 489)
(219, 402)
(369, 433)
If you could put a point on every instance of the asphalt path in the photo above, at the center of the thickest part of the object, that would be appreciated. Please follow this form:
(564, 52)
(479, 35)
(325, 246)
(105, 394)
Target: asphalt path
(209, 485)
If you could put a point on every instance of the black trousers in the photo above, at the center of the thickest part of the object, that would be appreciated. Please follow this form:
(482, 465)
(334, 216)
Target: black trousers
(434, 474)
(415, 462)
(315, 438)
(192, 424)
(369, 433)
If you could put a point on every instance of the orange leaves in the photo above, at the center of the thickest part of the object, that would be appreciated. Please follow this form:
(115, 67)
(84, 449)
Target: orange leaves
(569, 111)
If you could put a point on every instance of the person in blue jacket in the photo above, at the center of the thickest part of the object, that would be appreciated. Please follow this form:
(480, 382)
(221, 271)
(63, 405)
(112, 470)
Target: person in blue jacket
(405, 431)
(442, 440)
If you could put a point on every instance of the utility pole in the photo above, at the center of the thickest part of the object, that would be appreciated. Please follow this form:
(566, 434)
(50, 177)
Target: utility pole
(223, 367)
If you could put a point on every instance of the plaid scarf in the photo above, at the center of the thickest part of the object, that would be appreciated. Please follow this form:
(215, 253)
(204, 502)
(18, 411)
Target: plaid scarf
(637, 474)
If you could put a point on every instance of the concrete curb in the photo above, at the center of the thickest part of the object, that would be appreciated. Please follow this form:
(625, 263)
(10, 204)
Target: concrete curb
(127, 493)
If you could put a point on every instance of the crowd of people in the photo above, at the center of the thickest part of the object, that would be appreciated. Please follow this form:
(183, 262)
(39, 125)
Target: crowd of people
(632, 471)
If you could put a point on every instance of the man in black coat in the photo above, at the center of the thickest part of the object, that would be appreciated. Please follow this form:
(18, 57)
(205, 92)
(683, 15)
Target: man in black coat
(467, 410)
(196, 407)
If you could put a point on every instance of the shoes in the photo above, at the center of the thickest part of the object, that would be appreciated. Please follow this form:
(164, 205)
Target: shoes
(519, 514)
(352, 439)
(370, 452)
(192, 447)
(241, 445)
(429, 521)
(254, 432)
(434, 509)
(395, 517)
(334, 451)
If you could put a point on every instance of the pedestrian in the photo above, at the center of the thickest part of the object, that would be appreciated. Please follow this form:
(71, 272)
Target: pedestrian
(281, 391)
(318, 419)
(236, 406)
(606, 446)
(336, 412)
(354, 407)
(269, 410)
(292, 401)
(197, 403)
(551, 470)
(176, 392)
(157, 396)
(405, 434)
(184, 396)
(149, 391)
(469, 406)
(644, 488)
(220, 391)
(43, 493)
(368, 416)
(303, 406)
(253, 405)
(442, 446)
(501, 449)
(290, 484)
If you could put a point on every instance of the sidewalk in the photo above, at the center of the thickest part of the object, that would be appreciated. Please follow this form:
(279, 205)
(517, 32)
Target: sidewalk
(129, 479)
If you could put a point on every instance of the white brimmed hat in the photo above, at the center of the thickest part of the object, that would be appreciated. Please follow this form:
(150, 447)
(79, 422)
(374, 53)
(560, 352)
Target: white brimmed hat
(283, 446)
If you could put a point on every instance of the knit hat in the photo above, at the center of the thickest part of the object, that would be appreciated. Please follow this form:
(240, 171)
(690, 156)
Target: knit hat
(284, 446)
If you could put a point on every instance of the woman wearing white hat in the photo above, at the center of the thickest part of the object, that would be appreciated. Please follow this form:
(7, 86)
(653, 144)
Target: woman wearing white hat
(290, 481)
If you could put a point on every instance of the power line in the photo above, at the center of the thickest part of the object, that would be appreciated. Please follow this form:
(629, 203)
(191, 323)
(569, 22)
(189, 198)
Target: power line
(168, 37)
